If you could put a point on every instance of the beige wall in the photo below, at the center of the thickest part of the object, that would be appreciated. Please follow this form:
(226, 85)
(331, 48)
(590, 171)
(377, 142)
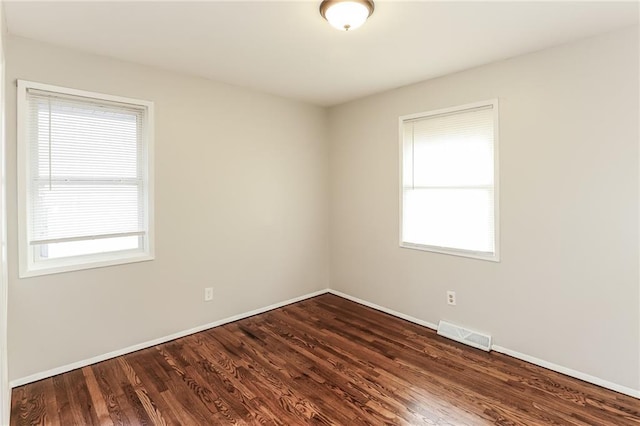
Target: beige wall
(240, 205)
(566, 290)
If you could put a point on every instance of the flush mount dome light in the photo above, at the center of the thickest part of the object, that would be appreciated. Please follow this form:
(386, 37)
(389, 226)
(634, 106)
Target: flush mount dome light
(346, 15)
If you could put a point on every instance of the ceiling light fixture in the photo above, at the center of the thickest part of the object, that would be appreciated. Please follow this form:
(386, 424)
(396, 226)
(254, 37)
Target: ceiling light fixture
(346, 15)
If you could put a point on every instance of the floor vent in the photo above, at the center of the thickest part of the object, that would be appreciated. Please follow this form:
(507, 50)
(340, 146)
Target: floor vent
(463, 335)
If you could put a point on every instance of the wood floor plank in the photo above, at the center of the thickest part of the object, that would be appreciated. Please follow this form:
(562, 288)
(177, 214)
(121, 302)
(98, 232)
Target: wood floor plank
(322, 361)
(51, 415)
(79, 398)
(150, 408)
(228, 395)
(99, 404)
(120, 411)
(65, 413)
(31, 404)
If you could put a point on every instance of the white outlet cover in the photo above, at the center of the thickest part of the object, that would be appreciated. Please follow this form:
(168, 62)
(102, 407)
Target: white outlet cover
(451, 298)
(208, 294)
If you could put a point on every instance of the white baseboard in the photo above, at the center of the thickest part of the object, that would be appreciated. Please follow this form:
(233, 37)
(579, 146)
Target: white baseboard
(568, 371)
(533, 360)
(530, 359)
(79, 364)
(385, 310)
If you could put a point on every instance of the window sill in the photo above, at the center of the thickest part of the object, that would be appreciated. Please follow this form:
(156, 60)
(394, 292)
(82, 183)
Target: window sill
(453, 252)
(77, 264)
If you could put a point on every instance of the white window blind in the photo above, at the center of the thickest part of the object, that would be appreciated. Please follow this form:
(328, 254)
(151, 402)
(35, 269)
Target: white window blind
(87, 176)
(448, 181)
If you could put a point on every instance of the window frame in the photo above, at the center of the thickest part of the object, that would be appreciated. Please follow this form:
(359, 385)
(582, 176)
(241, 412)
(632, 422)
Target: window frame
(495, 257)
(28, 264)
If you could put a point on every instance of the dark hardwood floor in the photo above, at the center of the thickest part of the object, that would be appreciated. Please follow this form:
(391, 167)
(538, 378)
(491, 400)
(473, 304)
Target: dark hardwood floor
(325, 360)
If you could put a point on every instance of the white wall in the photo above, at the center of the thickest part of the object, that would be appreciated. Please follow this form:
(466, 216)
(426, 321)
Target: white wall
(241, 205)
(566, 290)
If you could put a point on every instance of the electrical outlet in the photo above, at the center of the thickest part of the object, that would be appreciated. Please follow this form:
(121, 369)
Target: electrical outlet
(208, 294)
(451, 298)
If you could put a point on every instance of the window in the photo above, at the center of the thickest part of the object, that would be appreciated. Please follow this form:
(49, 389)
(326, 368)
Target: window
(85, 179)
(449, 181)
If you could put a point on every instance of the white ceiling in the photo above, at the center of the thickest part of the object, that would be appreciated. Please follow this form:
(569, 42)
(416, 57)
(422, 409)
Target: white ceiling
(286, 48)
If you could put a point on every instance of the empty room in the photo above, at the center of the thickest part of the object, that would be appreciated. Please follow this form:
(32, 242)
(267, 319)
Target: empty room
(335, 212)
